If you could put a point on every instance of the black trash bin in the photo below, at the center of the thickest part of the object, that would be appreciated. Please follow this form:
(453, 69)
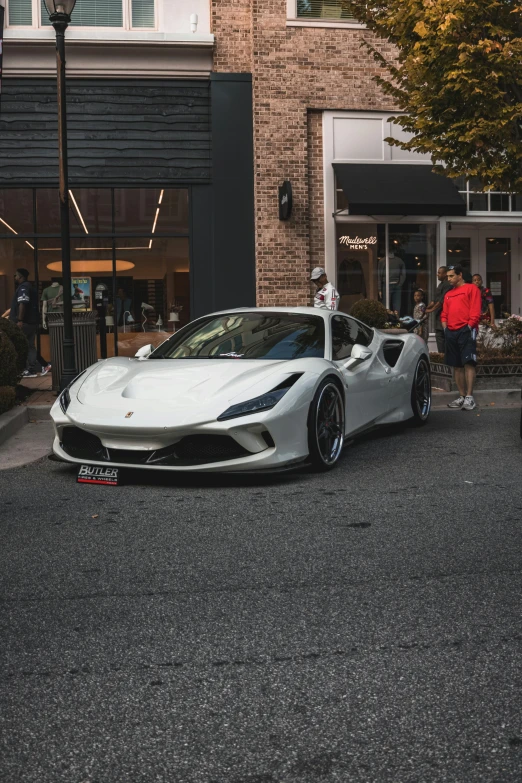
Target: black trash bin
(84, 330)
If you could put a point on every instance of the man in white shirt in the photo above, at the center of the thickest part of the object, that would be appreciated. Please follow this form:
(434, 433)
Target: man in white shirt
(326, 295)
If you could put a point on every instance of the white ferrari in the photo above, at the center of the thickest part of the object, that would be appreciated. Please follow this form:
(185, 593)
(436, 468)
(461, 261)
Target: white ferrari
(243, 390)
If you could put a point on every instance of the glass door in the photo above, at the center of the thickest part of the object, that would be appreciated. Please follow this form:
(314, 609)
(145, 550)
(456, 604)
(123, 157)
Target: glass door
(500, 265)
(494, 254)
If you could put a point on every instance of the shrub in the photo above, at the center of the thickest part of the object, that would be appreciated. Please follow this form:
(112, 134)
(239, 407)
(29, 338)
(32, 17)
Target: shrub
(18, 340)
(8, 368)
(371, 313)
(7, 398)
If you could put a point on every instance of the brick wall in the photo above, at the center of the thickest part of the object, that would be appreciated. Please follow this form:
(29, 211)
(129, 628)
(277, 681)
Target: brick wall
(298, 72)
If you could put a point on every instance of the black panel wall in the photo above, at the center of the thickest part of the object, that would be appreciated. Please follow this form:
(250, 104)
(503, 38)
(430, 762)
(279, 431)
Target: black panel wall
(233, 189)
(120, 131)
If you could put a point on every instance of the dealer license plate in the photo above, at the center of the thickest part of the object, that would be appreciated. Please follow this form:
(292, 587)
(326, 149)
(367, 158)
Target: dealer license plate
(93, 474)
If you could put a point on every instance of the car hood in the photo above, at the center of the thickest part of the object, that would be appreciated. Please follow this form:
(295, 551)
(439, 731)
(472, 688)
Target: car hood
(177, 383)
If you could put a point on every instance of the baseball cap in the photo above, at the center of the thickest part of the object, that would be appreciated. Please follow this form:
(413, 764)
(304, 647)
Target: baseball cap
(317, 272)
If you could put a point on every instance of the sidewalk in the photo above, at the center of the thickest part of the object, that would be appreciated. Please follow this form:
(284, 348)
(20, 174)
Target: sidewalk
(499, 398)
(42, 391)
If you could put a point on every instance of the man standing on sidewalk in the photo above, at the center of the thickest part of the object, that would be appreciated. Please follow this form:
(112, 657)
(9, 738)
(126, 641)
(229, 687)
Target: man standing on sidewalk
(460, 317)
(436, 306)
(326, 297)
(24, 313)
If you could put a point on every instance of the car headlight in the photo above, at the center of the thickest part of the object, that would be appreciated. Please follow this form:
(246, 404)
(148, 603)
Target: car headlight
(65, 397)
(262, 403)
(65, 400)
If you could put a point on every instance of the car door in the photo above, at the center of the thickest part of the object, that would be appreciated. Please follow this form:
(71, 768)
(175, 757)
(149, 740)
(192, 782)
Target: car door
(368, 381)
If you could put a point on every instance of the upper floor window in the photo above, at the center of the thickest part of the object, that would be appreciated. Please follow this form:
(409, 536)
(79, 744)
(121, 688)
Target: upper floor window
(322, 9)
(125, 14)
(490, 201)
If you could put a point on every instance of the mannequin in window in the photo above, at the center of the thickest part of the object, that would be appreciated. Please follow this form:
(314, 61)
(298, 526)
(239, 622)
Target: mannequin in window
(351, 282)
(52, 301)
(397, 276)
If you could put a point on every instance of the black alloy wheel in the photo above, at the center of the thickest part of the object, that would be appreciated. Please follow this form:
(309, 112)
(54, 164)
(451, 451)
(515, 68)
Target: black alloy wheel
(421, 393)
(326, 425)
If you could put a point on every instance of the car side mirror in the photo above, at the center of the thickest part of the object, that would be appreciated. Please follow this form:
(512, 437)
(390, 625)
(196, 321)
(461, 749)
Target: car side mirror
(144, 352)
(359, 354)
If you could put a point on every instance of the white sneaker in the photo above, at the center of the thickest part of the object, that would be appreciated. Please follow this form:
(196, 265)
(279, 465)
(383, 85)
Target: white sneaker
(469, 404)
(27, 374)
(45, 369)
(458, 403)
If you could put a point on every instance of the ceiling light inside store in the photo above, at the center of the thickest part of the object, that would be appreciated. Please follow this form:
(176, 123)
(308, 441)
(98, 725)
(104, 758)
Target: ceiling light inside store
(78, 211)
(15, 232)
(8, 226)
(161, 197)
(155, 219)
(92, 267)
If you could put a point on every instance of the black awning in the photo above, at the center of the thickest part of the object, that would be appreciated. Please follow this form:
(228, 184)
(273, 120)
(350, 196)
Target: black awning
(397, 189)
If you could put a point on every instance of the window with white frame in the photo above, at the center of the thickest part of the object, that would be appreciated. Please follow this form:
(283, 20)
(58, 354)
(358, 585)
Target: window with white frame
(124, 14)
(490, 201)
(328, 10)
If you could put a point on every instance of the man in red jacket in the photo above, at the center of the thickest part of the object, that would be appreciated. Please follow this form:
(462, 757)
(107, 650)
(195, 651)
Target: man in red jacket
(461, 311)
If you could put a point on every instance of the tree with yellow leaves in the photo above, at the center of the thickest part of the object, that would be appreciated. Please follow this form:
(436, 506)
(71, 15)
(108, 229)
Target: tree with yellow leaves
(458, 80)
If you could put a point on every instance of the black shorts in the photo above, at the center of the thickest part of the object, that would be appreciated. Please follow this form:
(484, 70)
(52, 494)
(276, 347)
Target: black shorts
(461, 346)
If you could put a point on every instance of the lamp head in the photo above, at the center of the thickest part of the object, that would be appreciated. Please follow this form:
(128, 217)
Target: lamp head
(145, 306)
(61, 10)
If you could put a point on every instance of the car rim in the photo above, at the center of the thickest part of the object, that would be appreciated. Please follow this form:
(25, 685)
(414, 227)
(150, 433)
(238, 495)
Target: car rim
(330, 424)
(423, 389)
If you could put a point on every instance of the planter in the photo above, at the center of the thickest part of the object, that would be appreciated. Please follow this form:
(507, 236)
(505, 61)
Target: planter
(489, 376)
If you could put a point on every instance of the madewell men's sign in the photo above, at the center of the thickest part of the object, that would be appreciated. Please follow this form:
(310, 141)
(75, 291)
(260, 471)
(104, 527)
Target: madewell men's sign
(358, 243)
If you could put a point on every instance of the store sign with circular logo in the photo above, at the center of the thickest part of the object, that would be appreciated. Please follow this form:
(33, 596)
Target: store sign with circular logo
(285, 201)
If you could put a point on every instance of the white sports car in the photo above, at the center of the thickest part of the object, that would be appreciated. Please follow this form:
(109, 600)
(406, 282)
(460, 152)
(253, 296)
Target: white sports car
(247, 389)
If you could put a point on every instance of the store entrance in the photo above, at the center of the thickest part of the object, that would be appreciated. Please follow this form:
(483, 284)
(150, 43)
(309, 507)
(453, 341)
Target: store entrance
(494, 253)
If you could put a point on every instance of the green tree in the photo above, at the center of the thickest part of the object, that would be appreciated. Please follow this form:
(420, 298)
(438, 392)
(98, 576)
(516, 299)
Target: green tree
(458, 80)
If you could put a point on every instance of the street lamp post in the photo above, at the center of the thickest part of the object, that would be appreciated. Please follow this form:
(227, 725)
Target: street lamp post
(60, 15)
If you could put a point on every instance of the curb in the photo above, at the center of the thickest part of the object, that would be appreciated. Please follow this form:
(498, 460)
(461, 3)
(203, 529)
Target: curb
(12, 421)
(509, 398)
(39, 412)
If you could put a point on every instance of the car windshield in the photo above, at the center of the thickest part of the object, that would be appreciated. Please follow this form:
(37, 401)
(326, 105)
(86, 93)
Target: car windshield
(251, 335)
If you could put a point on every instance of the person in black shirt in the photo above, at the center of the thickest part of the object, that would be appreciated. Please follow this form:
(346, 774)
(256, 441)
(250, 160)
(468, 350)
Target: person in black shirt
(24, 313)
(436, 306)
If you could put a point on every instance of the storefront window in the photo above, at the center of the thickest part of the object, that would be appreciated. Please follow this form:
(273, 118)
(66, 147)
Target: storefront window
(357, 263)
(150, 210)
(362, 263)
(14, 253)
(16, 211)
(144, 277)
(152, 296)
(412, 264)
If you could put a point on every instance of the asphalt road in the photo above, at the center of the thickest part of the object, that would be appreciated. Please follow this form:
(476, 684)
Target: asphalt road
(363, 625)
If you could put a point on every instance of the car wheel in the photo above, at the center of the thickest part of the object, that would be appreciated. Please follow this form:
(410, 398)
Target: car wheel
(326, 425)
(421, 393)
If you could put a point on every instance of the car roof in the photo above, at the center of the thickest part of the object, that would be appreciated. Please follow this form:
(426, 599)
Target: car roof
(319, 311)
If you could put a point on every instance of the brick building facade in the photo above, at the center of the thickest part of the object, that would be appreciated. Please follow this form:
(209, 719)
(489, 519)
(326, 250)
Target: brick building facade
(298, 72)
